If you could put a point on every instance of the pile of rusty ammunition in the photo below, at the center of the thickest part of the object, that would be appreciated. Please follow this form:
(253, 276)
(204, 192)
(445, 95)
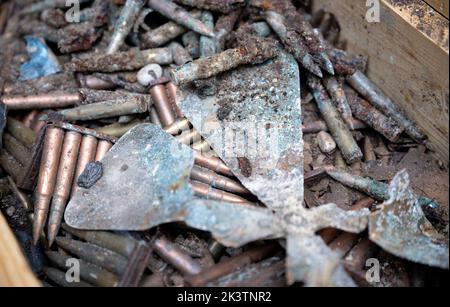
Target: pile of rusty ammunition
(105, 160)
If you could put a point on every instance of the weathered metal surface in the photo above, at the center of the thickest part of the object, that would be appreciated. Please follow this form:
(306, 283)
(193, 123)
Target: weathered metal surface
(401, 228)
(260, 106)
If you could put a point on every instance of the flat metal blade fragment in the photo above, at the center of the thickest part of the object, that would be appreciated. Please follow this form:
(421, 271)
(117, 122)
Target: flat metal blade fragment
(144, 184)
(401, 228)
(252, 120)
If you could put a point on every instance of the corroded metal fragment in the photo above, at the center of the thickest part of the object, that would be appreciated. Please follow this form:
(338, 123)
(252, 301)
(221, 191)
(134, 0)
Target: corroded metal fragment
(253, 123)
(401, 228)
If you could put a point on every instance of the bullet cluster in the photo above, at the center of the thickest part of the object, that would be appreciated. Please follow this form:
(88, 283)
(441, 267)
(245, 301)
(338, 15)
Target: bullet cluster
(125, 64)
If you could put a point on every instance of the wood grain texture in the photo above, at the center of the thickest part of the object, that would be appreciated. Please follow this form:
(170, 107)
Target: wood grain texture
(442, 6)
(14, 269)
(408, 59)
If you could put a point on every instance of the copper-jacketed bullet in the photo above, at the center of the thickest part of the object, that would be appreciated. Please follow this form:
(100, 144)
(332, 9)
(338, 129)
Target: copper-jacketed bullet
(158, 92)
(204, 190)
(172, 93)
(102, 149)
(47, 178)
(88, 149)
(217, 181)
(213, 163)
(41, 101)
(67, 164)
(180, 15)
(176, 256)
(154, 117)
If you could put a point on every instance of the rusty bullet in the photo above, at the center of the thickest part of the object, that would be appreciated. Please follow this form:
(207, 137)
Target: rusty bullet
(117, 243)
(88, 149)
(376, 97)
(217, 181)
(320, 125)
(41, 101)
(88, 272)
(180, 16)
(207, 44)
(162, 104)
(191, 42)
(293, 42)
(102, 149)
(47, 178)
(124, 23)
(206, 191)
(341, 134)
(222, 6)
(176, 256)
(356, 259)
(105, 109)
(226, 267)
(94, 254)
(165, 33)
(344, 243)
(224, 26)
(256, 50)
(364, 111)
(121, 61)
(345, 63)
(59, 278)
(64, 180)
(336, 91)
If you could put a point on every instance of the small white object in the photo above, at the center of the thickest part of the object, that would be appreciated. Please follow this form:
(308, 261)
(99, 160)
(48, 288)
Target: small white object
(149, 73)
(326, 142)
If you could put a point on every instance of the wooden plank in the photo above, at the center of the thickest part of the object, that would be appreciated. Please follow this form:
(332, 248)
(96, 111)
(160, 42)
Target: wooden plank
(442, 6)
(14, 269)
(408, 59)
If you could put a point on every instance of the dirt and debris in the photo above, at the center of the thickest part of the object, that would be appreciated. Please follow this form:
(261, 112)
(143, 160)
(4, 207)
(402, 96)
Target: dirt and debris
(295, 168)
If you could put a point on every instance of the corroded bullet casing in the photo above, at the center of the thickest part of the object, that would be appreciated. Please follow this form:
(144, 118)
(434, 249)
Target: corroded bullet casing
(59, 278)
(337, 93)
(180, 15)
(364, 111)
(11, 165)
(369, 154)
(67, 164)
(341, 134)
(326, 143)
(374, 95)
(88, 272)
(19, 151)
(178, 126)
(256, 50)
(320, 125)
(222, 6)
(21, 132)
(94, 83)
(94, 254)
(124, 23)
(207, 44)
(179, 54)
(191, 42)
(87, 153)
(102, 149)
(118, 130)
(47, 177)
(224, 26)
(172, 93)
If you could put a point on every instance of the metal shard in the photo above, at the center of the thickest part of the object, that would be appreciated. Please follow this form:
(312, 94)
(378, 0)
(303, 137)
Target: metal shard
(401, 228)
(260, 107)
(137, 190)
